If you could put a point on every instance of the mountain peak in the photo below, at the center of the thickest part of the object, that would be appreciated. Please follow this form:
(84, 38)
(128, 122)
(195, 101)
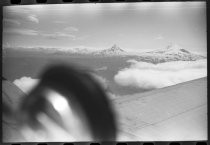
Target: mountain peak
(113, 51)
(173, 47)
(115, 47)
(172, 52)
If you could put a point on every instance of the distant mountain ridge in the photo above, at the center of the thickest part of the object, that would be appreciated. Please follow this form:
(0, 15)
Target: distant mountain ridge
(170, 53)
(113, 51)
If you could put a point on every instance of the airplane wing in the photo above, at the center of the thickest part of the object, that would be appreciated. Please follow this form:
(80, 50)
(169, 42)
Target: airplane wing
(11, 96)
(173, 113)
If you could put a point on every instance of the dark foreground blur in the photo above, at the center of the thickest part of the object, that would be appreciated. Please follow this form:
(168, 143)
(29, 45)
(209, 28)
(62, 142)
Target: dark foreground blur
(67, 105)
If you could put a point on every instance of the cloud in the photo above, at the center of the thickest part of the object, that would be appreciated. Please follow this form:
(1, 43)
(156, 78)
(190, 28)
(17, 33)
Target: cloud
(33, 18)
(26, 83)
(105, 84)
(29, 32)
(101, 80)
(57, 35)
(11, 21)
(150, 76)
(112, 96)
(65, 33)
(71, 29)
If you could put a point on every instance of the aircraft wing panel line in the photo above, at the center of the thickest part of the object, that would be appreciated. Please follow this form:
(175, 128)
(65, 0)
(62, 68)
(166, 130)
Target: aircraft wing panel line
(194, 108)
(178, 112)
(174, 116)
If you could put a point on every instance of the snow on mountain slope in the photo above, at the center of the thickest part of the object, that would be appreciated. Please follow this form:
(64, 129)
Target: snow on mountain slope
(113, 51)
(170, 53)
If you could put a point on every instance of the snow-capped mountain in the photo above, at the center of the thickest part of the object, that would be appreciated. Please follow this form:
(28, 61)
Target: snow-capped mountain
(113, 51)
(170, 53)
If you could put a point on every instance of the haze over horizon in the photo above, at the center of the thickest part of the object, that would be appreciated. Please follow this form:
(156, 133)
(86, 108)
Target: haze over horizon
(132, 26)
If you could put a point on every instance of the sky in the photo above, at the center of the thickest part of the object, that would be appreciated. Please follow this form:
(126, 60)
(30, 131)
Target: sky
(132, 26)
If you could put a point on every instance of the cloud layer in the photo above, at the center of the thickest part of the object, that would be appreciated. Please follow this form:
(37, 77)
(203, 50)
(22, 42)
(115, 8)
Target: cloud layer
(28, 32)
(58, 35)
(71, 29)
(33, 18)
(150, 76)
(26, 83)
(31, 32)
(9, 21)
(101, 80)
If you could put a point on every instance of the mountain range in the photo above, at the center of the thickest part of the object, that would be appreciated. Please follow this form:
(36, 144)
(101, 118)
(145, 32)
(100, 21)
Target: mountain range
(170, 53)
